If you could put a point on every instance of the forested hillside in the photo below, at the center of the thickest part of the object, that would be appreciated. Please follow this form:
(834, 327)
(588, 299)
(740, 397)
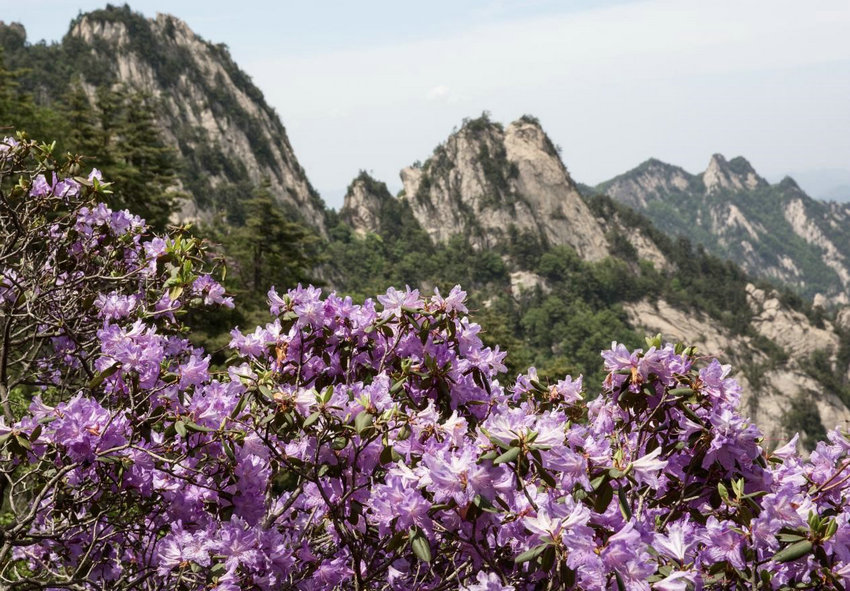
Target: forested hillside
(773, 231)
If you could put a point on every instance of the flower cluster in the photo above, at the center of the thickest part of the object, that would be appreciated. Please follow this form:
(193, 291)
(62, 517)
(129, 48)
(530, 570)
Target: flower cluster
(374, 446)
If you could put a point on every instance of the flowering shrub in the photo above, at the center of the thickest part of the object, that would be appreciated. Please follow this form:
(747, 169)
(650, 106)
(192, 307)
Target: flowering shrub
(368, 446)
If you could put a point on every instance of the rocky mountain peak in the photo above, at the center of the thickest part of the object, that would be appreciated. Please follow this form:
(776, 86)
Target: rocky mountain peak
(486, 181)
(363, 204)
(735, 175)
(208, 108)
(653, 177)
(789, 184)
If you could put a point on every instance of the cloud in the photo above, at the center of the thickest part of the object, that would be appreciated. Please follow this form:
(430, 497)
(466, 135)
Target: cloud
(438, 92)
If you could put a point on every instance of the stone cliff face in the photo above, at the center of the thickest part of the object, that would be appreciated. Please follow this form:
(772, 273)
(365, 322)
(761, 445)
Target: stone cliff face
(364, 204)
(486, 181)
(772, 231)
(209, 110)
(737, 175)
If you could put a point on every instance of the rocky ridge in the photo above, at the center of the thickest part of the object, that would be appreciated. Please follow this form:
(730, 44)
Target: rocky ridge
(773, 231)
(486, 180)
(228, 138)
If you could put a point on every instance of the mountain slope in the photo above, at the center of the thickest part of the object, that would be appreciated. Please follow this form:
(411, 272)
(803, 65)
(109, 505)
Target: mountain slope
(773, 231)
(228, 138)
(583, 267)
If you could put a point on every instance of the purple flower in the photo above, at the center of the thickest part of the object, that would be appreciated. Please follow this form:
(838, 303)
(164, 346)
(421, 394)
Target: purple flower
(488, 582)
(40, 187)
(180, 548)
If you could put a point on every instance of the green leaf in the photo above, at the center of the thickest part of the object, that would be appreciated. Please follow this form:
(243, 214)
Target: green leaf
(388, 454)
(192, 426)
(98, 379)
(621, 585)
(625, 508)
(509, 456)
(604, 495)
(180, 427)
(420, 546)
(219, 568)
(680, 392)
(363, 421)
(23, 442)
(793, 552)
(228, 451)
(240, 406)
(597, 482)
(532, 554)
(311, 419)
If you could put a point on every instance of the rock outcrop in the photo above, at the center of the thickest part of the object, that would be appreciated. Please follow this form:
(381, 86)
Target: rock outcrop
(768, 384)
(227, 137)
(734, 175)
(364, 204)
(486, 181)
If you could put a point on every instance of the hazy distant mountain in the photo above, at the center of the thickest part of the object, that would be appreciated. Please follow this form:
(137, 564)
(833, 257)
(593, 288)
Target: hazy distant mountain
(826, 184)
(774, 231)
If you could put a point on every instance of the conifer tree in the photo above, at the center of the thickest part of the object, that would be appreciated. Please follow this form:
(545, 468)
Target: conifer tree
(270, 248)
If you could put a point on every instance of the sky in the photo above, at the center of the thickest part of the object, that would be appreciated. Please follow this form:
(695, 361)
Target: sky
(376, 85)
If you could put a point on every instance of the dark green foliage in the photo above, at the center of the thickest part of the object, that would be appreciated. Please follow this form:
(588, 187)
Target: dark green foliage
(132, 154)
(267, 248)
(803, 417)
(262, 247)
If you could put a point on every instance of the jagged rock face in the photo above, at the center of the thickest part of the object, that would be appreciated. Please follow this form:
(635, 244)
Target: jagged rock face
(737, 175)
(769, 388)
(485, 179)
(526, 281)
(772, 231)
(363, 204)
(209, 109)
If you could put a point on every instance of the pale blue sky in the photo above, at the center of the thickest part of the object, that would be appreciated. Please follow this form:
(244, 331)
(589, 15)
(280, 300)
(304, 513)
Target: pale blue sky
(377, 84)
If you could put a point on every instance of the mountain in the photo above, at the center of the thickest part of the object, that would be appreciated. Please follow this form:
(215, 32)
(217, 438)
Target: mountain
(774, 231)
(501, 189)
(228, 139)
(486, 181)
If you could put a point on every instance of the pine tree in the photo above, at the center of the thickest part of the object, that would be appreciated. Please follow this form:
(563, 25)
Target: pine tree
(84, 136)
(270, 248)
(145, 165)
(18, 110)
